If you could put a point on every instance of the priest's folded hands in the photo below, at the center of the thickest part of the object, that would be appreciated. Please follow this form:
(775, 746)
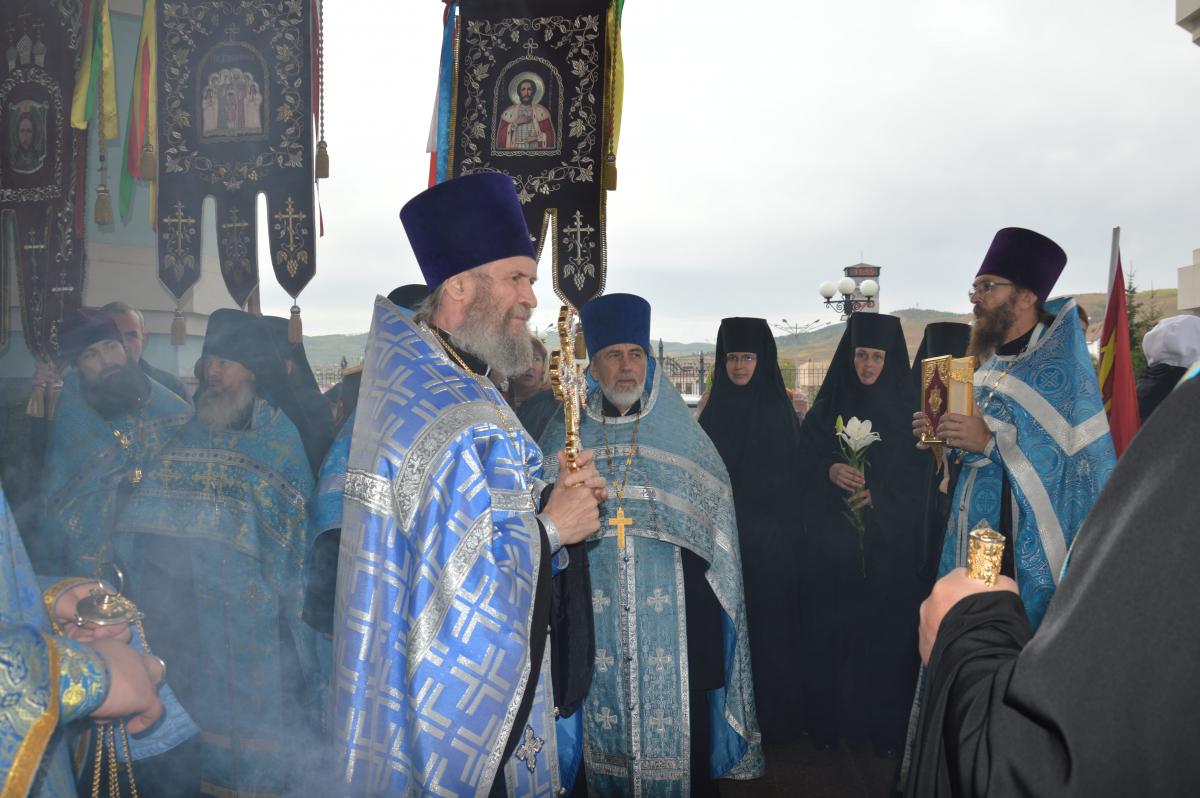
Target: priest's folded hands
(576, 513)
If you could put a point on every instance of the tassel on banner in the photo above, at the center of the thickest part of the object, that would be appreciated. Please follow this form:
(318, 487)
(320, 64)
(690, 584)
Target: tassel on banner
(610, 173)
(178, 329)
(104, 211)
(149, 170)
(52, 396)
(295, 327)
(36, 407)
(322, 167)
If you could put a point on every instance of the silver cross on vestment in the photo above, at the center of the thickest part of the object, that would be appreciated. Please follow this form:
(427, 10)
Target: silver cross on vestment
(528, 750)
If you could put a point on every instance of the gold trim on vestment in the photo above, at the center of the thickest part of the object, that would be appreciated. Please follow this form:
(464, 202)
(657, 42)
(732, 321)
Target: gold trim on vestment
(29, 756)
(52, 594)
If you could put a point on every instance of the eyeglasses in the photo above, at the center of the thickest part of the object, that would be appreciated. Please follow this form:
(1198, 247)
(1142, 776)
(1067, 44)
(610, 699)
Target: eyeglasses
(984, 287)
(747, 358)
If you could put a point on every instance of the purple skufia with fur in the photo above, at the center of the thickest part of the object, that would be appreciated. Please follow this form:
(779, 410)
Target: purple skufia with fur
(464, 223)
(1027, 258)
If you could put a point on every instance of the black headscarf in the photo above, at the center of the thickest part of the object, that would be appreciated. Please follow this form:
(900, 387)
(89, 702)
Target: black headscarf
(408, 296)
(888, 403)
(940, 338)
(301, 399)
(753, 426)
(860, 610)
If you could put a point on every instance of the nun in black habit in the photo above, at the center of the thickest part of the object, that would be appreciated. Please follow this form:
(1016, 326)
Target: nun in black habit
(750, 419)
(940, 338)
(859, 649)
(1103, 700)
(299, 396)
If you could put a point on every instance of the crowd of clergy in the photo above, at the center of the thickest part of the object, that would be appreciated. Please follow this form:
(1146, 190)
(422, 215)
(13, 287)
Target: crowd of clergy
(404, 586)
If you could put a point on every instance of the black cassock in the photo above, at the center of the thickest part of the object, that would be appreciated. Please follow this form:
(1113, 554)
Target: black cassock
(1104, 699)
(755, 430)
(859, 645)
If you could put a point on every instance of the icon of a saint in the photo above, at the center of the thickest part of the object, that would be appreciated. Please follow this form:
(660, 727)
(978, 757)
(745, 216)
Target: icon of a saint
(28, 149)
(526, 125)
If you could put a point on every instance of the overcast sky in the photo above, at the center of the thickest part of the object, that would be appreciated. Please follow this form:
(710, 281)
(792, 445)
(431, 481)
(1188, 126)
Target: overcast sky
(766, 146)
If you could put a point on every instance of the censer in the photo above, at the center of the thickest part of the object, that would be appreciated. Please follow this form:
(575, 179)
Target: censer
(103, 607)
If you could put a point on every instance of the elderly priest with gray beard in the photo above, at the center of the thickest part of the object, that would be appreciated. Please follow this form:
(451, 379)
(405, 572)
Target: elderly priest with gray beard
(213, 540)
(450, 537)
(671, 705)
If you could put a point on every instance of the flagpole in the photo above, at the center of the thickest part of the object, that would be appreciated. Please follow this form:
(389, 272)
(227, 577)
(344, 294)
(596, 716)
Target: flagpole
(1113, 257)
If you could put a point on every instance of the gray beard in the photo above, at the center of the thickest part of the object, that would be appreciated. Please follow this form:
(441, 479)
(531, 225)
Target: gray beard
(219, 411)
(491, 342)
(621, 398)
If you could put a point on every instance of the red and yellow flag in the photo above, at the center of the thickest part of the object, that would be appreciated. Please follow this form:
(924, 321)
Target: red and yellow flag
(143, 113)
(1116, 366)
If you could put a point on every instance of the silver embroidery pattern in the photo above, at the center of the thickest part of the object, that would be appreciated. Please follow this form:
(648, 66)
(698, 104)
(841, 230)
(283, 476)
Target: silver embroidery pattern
(428, 623)
(513, 501)
(1022, 471)
(371, 491)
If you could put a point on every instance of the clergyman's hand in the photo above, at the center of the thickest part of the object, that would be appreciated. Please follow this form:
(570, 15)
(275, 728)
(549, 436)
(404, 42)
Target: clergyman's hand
(576, 513)
(64, 614)
(948, 591)
(132, 688)
(585, 474)
(919, 425)
(968, 433)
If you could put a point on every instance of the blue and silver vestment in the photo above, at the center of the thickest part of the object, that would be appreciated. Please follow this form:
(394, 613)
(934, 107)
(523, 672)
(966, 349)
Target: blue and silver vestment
(636, 721)
(1051, 439)
(437, 575)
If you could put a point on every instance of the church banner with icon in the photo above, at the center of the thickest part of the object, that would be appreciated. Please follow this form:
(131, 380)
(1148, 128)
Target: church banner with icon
(234, 111)
(41, 167)
(529, 88)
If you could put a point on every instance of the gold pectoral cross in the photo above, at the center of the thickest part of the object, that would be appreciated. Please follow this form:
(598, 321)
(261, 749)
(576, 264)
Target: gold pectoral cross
(620, 522)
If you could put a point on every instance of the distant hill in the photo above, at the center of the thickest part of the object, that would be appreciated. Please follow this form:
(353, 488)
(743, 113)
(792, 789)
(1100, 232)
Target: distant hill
(328, 350)
(817, 345)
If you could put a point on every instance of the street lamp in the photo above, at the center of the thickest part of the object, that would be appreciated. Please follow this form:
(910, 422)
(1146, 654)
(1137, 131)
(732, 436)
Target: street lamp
(847, 287)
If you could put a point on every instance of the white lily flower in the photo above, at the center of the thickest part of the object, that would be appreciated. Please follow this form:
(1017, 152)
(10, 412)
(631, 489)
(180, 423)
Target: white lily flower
(857, 434)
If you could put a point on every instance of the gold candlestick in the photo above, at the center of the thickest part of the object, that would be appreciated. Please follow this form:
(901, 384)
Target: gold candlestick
(985, 553)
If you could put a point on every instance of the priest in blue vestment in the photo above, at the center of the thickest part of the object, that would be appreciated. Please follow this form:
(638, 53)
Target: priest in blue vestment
(445, 595)
(671, 705)
(112, 420)
(213, 540)
(1037, 453)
